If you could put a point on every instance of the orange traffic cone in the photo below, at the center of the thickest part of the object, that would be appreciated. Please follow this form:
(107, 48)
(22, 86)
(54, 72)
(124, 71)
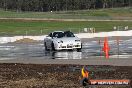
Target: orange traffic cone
(106, 47)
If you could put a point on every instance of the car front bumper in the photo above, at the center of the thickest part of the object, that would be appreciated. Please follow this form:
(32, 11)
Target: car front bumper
(68, 46)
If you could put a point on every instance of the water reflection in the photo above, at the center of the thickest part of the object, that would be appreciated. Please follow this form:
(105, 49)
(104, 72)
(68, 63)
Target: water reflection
(64, 54)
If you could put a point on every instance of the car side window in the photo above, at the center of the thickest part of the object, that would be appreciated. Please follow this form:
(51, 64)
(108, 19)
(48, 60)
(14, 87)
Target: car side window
(50, 35)
(55, 34)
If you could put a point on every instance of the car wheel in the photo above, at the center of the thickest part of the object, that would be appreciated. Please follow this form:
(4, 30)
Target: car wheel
(52, 46)
(45, 46)
(79, 49)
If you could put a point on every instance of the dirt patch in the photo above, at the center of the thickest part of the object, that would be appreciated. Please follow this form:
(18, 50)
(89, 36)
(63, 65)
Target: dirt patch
(57, 76)
(25, 40)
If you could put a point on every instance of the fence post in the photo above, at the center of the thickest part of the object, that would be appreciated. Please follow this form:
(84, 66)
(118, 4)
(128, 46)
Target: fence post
(41, 31)
(26, 33)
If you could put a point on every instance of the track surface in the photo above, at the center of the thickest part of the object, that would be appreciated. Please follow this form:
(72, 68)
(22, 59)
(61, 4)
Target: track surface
(91, 53)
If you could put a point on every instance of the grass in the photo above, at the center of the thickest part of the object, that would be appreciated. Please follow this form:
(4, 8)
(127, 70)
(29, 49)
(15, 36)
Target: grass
(113, 13)
(17, 27)
(21, 27)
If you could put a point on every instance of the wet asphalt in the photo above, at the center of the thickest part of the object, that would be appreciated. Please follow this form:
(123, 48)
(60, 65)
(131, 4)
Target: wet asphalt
(90, 49)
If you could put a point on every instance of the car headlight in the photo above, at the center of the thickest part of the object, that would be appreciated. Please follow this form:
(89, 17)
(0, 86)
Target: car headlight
(77, 40)
(60, 41)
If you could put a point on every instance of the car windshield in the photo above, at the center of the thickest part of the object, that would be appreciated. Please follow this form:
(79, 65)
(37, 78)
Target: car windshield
(63, 34)
(68, 34)
(58, 34)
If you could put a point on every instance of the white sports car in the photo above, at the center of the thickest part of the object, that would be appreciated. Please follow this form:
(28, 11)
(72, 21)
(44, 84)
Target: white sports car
(62, 40)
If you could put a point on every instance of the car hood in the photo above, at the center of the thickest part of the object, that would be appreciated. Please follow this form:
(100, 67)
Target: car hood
(66, 39)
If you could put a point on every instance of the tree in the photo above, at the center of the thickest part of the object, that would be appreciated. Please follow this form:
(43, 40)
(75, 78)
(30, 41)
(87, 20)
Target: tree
(61, 5)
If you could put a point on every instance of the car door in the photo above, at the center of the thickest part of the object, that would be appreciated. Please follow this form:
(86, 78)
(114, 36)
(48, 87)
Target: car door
(49, 41)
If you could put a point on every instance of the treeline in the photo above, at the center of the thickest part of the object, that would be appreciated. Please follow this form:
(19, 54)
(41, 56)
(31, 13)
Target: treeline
(61, 5)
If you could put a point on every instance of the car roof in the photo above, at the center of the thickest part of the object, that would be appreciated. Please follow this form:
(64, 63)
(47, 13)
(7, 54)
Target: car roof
(61, 31)
(57, 31)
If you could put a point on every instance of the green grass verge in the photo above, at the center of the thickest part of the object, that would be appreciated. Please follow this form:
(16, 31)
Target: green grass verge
(15, 27)
(115, 13)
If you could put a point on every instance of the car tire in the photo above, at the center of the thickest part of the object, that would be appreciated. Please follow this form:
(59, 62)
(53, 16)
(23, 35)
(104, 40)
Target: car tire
(45, 46)
(79, 49)
(52, 46)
